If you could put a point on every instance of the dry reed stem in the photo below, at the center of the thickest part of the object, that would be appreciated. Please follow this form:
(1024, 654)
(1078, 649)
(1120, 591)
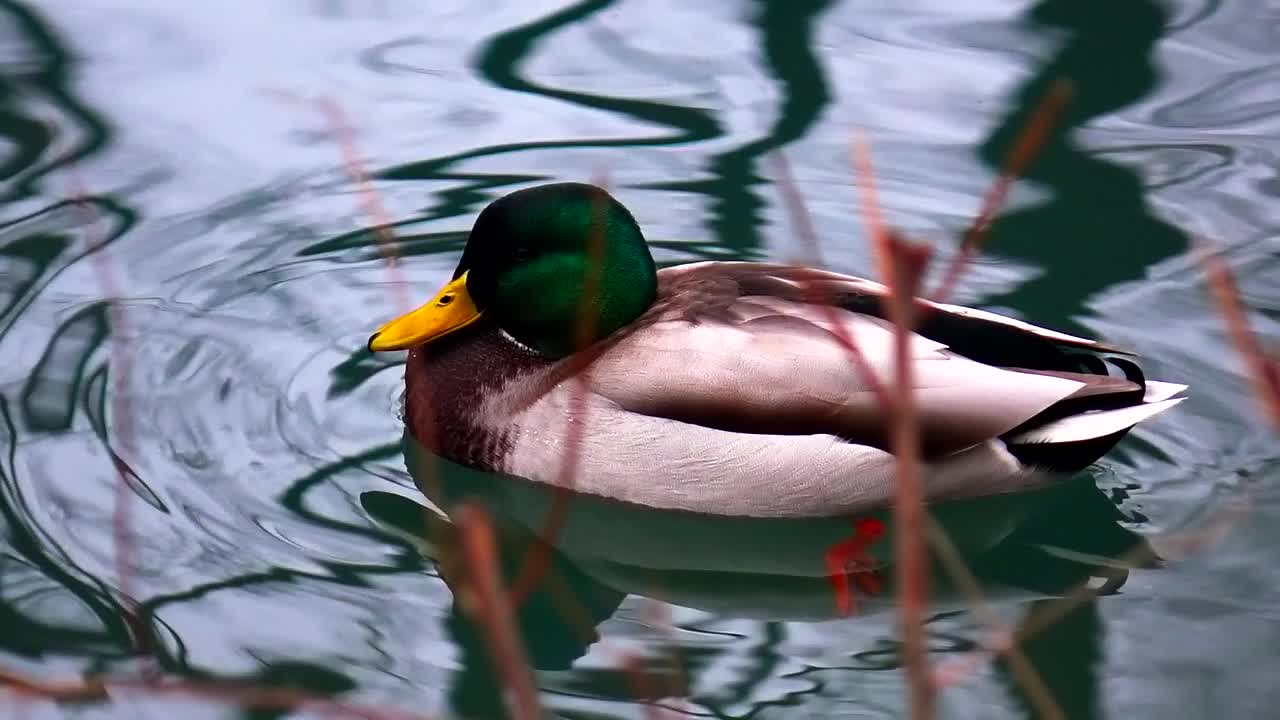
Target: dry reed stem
(1045, 615)
(800, 220)
(265, 698)
(797, 209)
(890, 256)
(641, 686)
(385, 239)
(640, 682)
(1025, 148)
(1023, 669)
(85, 690)
(567, 604)
(660, 617)
(120, 364)
(354, 164)
(1263, 367)
(908, 510)
(1266, 377)
(902, 265)
(538, 558)
(353, 161)
(245, 696)
(488, 602)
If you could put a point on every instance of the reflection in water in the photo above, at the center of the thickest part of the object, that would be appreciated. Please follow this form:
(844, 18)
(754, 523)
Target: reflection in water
(1022, 548)
(786, 31)
(47, 605)
(499, 63)
(1096, 230)
(37, 105)
(1066, 655)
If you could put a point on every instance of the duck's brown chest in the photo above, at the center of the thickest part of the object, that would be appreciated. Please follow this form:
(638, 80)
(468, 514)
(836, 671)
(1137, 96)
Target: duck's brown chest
(446, 384)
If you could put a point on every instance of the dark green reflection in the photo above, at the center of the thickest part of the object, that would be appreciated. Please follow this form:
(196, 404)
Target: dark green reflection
(1096, 231)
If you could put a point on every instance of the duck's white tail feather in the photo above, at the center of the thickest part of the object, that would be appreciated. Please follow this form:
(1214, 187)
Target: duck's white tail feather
(1158, 391)
(1092, 425)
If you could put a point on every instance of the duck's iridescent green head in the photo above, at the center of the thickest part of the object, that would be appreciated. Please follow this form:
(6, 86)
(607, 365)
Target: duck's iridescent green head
(555, 266)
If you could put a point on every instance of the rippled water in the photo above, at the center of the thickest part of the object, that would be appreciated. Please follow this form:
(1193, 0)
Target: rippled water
(250, 421)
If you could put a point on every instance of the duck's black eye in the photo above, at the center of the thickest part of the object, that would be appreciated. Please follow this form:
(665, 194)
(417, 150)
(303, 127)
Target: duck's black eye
(446, 300)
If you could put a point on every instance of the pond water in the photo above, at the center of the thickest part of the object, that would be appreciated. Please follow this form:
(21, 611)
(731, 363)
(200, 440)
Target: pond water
(211, 147)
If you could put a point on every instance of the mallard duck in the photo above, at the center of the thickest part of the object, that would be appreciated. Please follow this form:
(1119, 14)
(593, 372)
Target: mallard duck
(722, 388)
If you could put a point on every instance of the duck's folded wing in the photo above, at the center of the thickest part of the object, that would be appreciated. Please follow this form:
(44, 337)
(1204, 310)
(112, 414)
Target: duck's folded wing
(768, 364)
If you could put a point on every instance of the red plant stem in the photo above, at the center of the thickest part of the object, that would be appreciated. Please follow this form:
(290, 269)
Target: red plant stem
(902, 275)
(800, 219)
(368, 195)
(539, 557)
(492, 607)
(908, 509)
(1025, 148)
(571, 609)
(1263, 367)
(385, 240)
(660, 616)
(902, 265)
(642, 686)
(877, 230)
(120, 364)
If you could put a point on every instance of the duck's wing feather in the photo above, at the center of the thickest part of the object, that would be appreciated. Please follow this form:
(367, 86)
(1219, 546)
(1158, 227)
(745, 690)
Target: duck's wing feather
(661, 462)
(746, 347)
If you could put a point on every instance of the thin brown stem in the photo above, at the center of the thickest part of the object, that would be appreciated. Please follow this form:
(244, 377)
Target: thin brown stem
(1023, 670)
(902, 265)
(120, 442)
(1263, 367)
(803, 224)
(1045, 615)
(908, 510)
(538, 558)
(369, 197)
(353, 162)
(488, 601)
(1025, 148)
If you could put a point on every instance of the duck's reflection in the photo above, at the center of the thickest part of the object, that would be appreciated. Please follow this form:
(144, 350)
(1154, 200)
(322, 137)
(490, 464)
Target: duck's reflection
(1022, 548)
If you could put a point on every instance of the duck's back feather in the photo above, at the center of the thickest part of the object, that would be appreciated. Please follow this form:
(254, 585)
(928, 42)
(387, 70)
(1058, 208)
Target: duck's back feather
(751, 348)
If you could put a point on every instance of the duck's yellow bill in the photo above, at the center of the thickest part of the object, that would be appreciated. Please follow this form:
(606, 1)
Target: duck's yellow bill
(451, 309)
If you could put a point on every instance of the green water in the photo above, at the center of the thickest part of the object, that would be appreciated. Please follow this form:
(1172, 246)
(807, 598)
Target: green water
(231, 380)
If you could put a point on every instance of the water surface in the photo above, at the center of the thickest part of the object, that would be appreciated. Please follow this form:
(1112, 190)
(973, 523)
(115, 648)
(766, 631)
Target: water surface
(219, 208)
